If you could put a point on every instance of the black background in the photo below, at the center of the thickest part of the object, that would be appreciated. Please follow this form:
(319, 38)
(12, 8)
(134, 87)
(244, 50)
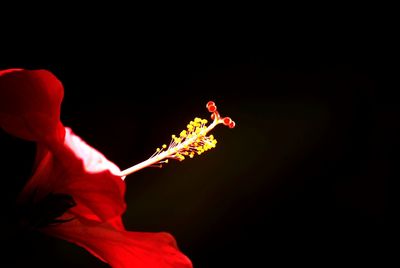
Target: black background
(301, 180)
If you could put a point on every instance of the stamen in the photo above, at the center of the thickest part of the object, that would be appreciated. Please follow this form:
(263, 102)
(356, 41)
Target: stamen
(188, 143)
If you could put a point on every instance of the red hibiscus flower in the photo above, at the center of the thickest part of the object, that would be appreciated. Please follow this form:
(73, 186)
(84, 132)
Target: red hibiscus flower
(75, 193)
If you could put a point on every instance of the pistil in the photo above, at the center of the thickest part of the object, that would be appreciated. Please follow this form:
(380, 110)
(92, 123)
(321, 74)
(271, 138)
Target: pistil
(192, 141)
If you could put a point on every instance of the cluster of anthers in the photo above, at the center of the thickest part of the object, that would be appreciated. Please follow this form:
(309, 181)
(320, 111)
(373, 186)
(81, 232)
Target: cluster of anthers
(194, 140)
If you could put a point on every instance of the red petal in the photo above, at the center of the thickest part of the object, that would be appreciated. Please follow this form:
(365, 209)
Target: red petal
(95, 184)
(98, 196)
(84, 173)
(30, 103)
(93, 160)
(123, 249)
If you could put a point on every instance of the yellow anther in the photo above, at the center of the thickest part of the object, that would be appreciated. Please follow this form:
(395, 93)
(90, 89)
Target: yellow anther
(191, 141)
